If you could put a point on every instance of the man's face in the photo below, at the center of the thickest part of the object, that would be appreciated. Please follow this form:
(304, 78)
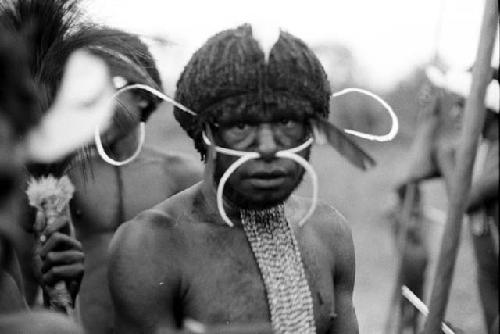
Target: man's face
(269, 180)
(127, 115)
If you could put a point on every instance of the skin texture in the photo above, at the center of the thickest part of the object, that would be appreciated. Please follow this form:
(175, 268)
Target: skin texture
(180, 261)
(106, 196)
(38, 322)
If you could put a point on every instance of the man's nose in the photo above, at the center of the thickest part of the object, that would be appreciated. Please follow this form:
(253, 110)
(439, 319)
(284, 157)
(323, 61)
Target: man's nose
(267, 146)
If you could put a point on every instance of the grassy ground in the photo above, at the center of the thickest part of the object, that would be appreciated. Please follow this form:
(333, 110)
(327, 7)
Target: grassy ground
(363, 199)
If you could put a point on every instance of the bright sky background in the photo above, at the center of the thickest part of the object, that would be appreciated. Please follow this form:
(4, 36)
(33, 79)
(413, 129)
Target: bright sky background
(387, 37)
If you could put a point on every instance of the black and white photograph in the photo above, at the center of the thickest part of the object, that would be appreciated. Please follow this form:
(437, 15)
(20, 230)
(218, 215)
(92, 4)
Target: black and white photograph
(249, 167)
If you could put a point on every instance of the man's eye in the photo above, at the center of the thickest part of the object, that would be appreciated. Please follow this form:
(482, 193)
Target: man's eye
(241, 126)
(289, 123)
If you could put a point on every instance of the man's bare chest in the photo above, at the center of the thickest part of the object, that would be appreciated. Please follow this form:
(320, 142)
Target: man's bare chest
(111, 196)
(225, 285)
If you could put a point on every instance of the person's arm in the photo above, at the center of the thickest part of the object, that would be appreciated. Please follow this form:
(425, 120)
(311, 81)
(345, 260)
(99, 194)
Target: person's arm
(40, 322)
(345, 321)
(142, 277)
(485, 188)
(60, 258)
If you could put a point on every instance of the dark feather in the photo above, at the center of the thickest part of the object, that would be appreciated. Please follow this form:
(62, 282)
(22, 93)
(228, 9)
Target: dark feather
(44, 24)
(345, 146)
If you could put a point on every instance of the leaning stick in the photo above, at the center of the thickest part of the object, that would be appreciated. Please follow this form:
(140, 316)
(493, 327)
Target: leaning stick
(421, 307)
(474, 116)
(393, 315)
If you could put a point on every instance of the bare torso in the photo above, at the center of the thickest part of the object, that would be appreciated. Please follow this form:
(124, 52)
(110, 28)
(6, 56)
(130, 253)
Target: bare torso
(200, 269)
(106, 197)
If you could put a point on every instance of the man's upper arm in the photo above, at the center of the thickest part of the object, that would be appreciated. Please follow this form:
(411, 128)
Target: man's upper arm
(142, 296)
(485, 187)
(343, 275)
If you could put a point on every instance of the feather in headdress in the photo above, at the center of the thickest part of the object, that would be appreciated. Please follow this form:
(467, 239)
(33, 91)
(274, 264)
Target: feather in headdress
(266, 34)
(345, 146)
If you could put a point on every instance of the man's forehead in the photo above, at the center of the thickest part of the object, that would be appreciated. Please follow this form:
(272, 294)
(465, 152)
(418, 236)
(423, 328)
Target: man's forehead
(247, 109)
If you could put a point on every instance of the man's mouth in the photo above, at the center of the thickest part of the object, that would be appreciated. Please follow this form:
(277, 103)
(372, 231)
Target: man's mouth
(268, 179)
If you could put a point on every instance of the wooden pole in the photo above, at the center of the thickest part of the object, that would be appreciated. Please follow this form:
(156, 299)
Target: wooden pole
(394, 315)
(473, 123)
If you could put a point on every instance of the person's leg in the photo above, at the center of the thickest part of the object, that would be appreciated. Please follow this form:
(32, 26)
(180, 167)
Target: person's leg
(487, 274)
(495, 327)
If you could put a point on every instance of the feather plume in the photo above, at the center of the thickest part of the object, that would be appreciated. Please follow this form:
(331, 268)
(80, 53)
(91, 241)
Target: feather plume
(346, 147)
(266, 34)
(57, 191)
(44, 24)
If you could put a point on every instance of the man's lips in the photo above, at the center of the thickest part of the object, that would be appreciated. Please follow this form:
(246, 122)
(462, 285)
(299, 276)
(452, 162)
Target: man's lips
(268, 179)
(267, 174)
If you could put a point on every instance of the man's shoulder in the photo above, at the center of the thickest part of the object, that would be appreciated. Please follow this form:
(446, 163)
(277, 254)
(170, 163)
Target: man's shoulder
(324, 213)
(327, 222)
(161, 221)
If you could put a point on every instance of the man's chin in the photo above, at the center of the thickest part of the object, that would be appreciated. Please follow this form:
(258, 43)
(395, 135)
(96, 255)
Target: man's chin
(261, 203)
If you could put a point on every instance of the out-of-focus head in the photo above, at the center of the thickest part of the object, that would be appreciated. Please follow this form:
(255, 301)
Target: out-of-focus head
(17, 92)
(455, 87)
(17, 117)
(248, 101)
(17, 109)
(54, 30)
(130, 62)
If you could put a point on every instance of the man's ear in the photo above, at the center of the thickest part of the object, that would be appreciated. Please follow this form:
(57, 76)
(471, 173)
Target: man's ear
(83, 102)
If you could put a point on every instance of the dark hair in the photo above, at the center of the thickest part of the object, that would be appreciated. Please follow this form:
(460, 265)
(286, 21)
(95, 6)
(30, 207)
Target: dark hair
(17, 94)
(54, 29)
(125, 54)
(230, 70)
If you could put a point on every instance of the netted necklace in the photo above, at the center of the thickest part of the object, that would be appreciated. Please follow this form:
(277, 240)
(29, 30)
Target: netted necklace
(277, 254)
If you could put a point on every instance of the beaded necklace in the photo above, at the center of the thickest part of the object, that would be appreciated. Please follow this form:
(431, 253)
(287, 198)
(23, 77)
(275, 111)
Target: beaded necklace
(277, 253)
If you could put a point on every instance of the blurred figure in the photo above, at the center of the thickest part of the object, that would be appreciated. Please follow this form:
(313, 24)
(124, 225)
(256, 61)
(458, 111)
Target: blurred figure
(433, 155)
(407, 222)
(17, 118)
(118, 178)
(108, 195)
(483, 211)
(482, 206)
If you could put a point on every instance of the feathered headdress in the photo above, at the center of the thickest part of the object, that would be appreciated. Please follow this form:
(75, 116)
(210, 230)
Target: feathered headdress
(237, 69)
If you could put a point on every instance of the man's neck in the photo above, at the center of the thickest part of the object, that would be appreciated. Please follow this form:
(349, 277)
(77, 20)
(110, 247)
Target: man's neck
(209, 193)
(125, 147)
